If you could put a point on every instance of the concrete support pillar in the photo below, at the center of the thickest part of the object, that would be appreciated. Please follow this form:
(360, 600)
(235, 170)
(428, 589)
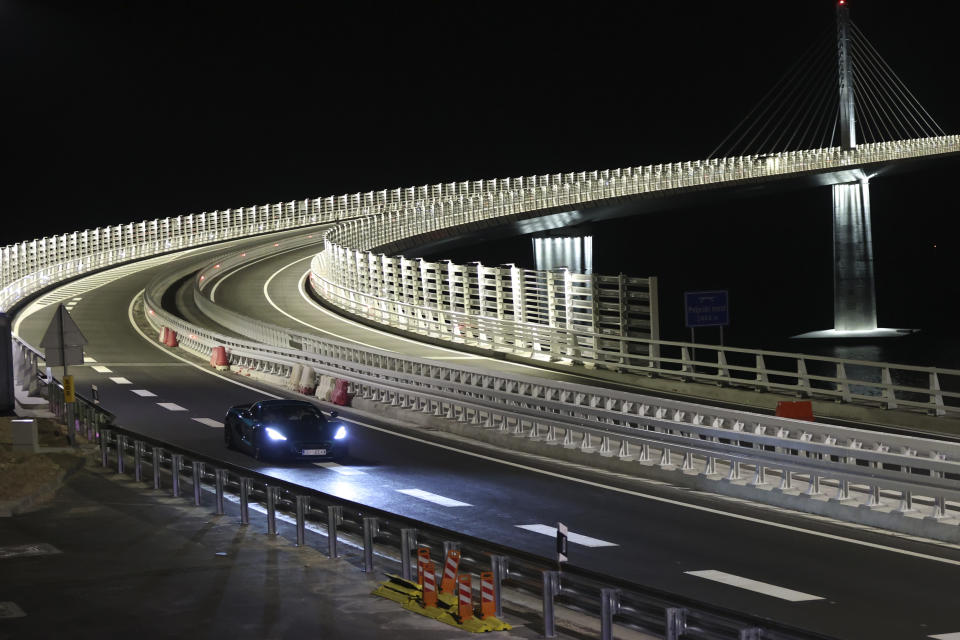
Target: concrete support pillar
(854, 297)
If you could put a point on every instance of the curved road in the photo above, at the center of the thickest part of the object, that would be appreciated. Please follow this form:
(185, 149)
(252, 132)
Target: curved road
(841, 580)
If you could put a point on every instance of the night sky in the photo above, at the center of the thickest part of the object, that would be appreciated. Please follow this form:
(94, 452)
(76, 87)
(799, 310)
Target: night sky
(124, 111)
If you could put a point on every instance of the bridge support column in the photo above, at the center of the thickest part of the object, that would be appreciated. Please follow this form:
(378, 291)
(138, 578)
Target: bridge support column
(854, 294)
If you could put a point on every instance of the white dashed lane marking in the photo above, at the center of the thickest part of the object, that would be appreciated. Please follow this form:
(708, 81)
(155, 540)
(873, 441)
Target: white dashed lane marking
(576, 538)
(143, 393)
(754, 585)
(432, 497)
(946, 636)
(88, 360)
(339, 468)
(78, 298)
(102, 369)
(119, 380)
(169, 406)
(210, 422)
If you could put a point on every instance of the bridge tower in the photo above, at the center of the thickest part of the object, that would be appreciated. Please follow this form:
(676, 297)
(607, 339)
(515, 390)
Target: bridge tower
(854, 293)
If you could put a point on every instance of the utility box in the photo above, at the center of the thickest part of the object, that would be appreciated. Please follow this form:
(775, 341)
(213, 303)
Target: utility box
(24, 432)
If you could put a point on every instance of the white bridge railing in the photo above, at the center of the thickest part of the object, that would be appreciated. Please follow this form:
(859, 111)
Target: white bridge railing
(603, 321)
(891, 474)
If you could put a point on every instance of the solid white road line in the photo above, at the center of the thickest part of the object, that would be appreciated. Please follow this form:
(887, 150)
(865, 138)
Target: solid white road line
(754, 585)
(432, 497)
(210, 422)
(339, 468)
(169, 406)
(946, 636)
(576, 538)
(582, 481)
(101, 369)
(121, 380)
(143, 393)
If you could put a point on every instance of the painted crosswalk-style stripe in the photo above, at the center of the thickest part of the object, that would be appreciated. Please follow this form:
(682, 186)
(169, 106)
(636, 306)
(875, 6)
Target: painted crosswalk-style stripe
(169, 406)
(339, 468)
(432, 497)
(210, 422)
(101, 369)
(120, 380)
(576, 538)
(143, 393)
(754, 585)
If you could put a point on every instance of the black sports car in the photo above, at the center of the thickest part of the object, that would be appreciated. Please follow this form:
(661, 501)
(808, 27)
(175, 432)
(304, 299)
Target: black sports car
(285, 430)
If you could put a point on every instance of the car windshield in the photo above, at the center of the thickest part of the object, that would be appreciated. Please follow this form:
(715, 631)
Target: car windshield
(293, 416)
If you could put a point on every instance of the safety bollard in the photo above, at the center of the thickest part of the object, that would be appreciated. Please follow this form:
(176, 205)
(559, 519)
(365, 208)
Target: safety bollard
(334, 517)
(551, 585)
(464, 597)
(429, 584)
(121, 442)
(488, 600)
(138, 460)
(408, 540)
(197, 476)
(369, 532)
(499, 568)
(244, 500)
(423, 558)
(271, 510)
(175, 459)
(451, 565)
(609, 607)
(155, 462)
(104, 436)
(303, 506)
(220, 478)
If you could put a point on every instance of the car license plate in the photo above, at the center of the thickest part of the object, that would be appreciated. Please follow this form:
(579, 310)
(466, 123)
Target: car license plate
(314, 452)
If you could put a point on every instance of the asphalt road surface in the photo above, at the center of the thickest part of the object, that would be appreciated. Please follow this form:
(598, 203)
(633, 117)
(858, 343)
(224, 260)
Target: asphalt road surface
(825, 576)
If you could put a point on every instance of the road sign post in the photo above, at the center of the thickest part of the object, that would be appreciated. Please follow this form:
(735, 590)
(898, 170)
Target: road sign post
(63, 345)
(705, 309)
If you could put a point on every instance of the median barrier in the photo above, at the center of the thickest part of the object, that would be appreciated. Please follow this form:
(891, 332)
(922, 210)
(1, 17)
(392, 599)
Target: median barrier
(293, 382)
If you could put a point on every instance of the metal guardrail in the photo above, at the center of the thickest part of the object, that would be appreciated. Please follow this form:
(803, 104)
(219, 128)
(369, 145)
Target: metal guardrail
(919, 473)
(489, 307)
(382, 533)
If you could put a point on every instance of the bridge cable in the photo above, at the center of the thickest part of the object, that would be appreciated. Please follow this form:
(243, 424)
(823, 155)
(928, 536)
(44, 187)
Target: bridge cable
(902, 88)
(893, 102)
(873, 96)
(785, 108)
(763, 103)
(811, 116)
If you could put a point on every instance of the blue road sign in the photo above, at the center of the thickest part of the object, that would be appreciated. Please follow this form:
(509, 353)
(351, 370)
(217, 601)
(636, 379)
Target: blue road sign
(706, 308)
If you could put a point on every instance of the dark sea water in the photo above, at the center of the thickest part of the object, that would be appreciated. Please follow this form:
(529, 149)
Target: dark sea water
(773, 253)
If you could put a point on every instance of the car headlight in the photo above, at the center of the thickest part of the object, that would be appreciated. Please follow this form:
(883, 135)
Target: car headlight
(273, 434)
(341, 433)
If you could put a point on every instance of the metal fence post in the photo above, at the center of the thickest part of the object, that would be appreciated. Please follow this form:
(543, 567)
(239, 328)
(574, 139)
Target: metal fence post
(447, 546)
(244, 500)
(121, 442)
(104, 436)
(408, 541)
(156, 464)
(220, 476)
(499, 566)
(334, 517)
(676, 622)
(271, 510)
(303, 506)
(609, 607)
(137, 460)
(175, 459)
(197, 475)
(551, 584)
(369, 532)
